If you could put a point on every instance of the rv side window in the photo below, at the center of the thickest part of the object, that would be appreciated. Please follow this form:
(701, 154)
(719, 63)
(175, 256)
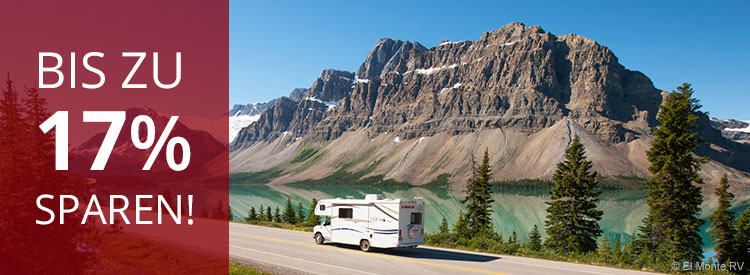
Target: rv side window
(416, 218)
(322, 207)
(346, 213)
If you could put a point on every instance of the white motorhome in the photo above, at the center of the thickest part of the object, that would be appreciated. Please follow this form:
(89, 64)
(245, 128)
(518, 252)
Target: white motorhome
(373, 222)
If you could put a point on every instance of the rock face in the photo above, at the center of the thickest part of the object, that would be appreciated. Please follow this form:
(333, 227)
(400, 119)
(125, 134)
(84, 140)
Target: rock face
(296, 117)
(297, 94)
(731, 129)
(251, 109)
(386, 57)
(518, 80)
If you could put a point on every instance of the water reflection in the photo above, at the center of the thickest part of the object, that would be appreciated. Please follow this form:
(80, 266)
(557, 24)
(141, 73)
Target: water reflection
(514, 209)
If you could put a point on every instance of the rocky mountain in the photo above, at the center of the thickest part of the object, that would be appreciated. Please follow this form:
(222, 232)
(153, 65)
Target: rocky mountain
(242, 115)
(731, 129)
(289, 117)
(413, 113)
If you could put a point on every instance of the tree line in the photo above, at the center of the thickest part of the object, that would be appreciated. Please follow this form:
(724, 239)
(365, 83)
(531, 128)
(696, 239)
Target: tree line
(669, 233)
(290, 215)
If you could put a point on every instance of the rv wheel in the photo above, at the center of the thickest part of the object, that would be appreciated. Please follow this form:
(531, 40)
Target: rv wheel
(319, 238)
(365, 246)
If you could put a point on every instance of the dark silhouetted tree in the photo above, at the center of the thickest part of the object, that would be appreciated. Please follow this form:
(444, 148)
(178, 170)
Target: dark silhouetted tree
(313, 219)
(444, 229)
(300, 213)
(289, 216)
(478, 198)
(251, 215)
(670, 230)
(722, 225)
(742, 239)
(572, 218)
(269, 215)
(535, 239)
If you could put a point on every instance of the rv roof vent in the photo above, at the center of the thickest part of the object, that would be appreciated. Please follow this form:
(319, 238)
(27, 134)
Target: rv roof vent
(372, 197)
(418, 198)
(349, 197)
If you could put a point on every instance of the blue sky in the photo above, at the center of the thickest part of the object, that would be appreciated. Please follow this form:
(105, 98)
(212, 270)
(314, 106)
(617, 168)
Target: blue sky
(275, 46)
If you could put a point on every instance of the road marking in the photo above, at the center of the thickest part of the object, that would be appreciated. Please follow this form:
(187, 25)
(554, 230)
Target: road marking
(302, 260)
(369, 254)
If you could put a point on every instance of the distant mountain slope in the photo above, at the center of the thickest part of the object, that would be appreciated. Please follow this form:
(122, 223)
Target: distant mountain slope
(735, 130)
(413, 113)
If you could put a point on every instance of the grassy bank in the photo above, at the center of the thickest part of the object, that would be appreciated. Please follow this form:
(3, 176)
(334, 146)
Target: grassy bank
(282, 225)
(238, 269)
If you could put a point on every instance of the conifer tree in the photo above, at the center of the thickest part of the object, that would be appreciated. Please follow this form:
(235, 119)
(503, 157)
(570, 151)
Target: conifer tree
(443, 229)
(261, 213)
(478, 198)
(277, 215)
(670, 229)
(605, 250)
(313, 219)
(269, 215)
(300, 213)
(289, 215)
(461, 227)
(513, 238)
(617, 251)
(722, 223)
(535, 239)
(572, 218)
(251, 215)
(742, 239)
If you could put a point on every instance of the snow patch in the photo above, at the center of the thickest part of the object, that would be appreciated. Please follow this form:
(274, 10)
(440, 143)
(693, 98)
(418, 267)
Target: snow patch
(455, 86)
(236, 123)
(510, 43)
(435, 69)
(361, 80)
(330, 104)
(451, 42)
(397, 140)
(745, 130)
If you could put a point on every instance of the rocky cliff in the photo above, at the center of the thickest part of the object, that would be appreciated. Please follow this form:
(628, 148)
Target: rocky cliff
(412, 113)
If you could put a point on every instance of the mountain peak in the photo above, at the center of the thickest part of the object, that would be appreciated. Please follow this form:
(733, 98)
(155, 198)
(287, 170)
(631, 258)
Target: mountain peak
(385, 56)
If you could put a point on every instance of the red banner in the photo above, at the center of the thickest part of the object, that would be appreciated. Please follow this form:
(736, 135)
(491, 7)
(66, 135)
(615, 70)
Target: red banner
(113, 137)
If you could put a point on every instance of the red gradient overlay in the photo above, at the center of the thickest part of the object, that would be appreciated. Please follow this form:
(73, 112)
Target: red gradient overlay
(196, 29)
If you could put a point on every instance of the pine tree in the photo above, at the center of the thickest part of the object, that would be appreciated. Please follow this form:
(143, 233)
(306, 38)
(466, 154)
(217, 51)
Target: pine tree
(670, 230)
(313, 219)
(617, 251)
(605, 250)
(269, 215)
(461, 227)
(300, 213)
(513, 238)
(261, 213)
(289, 215)
(572, 218)
(251, 215)
(535, 239)
(444, 229)
(277, 215)
(722, 223)
(478, 198)
(742, 239)
(230, 216)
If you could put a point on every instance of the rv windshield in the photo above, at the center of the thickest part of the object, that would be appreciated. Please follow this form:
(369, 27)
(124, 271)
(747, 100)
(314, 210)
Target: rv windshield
(327, 222)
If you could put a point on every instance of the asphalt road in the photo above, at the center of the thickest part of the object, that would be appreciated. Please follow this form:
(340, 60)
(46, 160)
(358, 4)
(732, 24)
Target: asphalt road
(296, 251)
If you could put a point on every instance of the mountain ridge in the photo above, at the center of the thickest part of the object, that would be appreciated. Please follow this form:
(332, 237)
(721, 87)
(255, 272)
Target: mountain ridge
(514, 84)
